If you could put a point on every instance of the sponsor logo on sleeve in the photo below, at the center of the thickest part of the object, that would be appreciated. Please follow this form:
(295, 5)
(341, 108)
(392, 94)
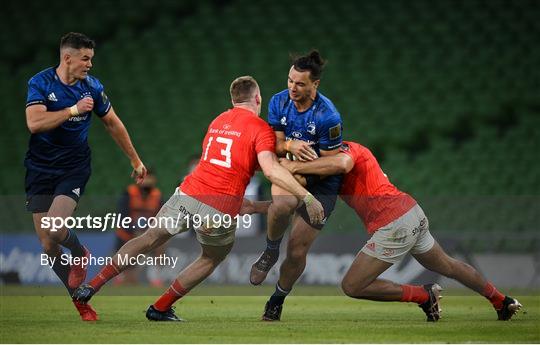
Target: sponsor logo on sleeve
(334, 132)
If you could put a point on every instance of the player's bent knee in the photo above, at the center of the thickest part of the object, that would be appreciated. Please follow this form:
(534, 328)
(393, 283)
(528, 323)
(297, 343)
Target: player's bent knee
(215, 254)
(347, 288)
(352, 288)
(156, 236)
(212, 259)
(297, 253)
(56, 236)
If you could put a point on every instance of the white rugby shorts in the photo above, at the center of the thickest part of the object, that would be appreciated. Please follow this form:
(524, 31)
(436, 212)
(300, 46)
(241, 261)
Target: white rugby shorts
(408, 233)
(180, 206)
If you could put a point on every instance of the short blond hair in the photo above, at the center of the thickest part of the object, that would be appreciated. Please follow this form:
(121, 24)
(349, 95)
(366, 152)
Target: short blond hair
(243, 88)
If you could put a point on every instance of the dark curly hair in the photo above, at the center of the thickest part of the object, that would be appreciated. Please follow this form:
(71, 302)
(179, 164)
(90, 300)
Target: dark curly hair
(312, 62)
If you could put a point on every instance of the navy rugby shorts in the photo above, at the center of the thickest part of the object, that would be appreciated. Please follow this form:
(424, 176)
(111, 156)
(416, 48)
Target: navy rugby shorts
(41, 188)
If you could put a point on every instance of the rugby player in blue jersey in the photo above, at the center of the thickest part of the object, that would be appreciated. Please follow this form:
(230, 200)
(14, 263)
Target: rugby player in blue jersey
(58, 112)
(307, 125)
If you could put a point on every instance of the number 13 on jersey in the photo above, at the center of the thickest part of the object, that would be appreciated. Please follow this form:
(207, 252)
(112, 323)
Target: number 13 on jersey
(224, 152)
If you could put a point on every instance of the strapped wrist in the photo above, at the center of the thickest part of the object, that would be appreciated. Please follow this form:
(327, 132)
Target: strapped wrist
(136, 163)
(73, 110)
(308, 199)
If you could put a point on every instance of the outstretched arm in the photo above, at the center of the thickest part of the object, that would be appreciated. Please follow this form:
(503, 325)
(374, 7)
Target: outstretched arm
(119, 133)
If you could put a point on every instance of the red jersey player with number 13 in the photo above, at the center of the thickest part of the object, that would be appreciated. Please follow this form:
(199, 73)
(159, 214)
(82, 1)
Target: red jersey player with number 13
(236, 143)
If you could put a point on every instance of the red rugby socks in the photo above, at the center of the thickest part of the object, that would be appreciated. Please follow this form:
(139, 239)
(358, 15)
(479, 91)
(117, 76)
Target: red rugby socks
(414, 293)
(107, 273)
(493, 295)
(173, 294)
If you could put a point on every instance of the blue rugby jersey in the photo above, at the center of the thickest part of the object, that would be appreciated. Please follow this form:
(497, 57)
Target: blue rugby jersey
(320, 125)
(65, 147)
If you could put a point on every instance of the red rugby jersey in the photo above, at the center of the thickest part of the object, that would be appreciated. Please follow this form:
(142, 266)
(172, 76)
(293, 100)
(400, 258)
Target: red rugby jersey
(229, 159)
(368, 191)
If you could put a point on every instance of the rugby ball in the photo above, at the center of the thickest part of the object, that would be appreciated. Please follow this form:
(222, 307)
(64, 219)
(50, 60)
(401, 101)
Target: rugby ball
(290, 156)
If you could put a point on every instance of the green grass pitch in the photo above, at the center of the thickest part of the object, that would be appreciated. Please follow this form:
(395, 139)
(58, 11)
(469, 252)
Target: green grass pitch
(217, 314)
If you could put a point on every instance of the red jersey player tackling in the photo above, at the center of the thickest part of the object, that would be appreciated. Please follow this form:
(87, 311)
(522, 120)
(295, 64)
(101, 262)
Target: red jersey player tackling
(398, 226)
(236, 143)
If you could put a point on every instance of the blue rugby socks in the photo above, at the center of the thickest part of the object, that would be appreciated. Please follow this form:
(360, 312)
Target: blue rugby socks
(273, 245)
(279, 295)
(72, 243)
(62, 271)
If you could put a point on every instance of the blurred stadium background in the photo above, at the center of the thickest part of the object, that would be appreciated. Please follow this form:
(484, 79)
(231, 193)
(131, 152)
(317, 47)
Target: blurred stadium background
(446, 94)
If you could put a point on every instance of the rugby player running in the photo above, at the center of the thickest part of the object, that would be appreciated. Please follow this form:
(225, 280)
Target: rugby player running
(59, 105)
